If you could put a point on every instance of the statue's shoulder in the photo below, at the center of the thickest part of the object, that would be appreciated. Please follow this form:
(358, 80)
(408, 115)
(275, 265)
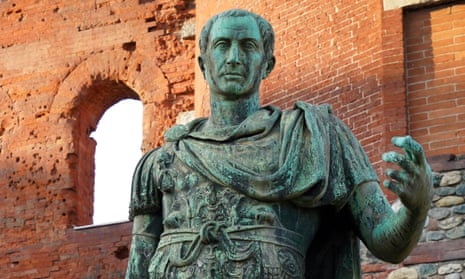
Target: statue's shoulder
(144, 197)
(323, 110)
(147, 161)
(308, 106)
(180, 131)
(156, 156)
(164, 153)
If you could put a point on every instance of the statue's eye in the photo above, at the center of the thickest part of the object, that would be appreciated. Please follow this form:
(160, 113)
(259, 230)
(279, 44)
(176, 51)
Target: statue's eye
(249, 45)
(221, 44)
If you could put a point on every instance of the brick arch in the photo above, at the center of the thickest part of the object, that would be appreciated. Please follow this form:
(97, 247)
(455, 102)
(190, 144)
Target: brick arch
(84, 95)
(135, 70)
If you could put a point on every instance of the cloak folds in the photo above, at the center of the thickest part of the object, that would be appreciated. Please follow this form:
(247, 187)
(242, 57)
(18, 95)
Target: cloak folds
(317, 162)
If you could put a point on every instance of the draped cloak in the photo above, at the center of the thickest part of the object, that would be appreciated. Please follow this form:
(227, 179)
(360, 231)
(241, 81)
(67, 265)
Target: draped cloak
(319, 164)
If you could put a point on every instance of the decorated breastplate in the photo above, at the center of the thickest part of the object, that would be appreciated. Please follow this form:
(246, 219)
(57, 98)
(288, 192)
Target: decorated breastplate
(212, 231)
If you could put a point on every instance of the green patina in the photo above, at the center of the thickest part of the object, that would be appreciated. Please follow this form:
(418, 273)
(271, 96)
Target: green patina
(256, 192)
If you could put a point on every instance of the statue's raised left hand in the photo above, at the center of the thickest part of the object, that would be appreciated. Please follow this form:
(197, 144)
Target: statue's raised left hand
(412, 183)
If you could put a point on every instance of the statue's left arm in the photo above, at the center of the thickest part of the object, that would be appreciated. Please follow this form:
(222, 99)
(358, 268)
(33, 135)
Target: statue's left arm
(391, 235)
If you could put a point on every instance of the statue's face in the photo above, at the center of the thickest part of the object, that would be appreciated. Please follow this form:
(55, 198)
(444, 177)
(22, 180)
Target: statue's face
(235, 59)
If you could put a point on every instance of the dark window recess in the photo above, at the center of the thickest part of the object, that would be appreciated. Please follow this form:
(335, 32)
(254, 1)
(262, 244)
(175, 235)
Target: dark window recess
(129, 46)
(150, 19)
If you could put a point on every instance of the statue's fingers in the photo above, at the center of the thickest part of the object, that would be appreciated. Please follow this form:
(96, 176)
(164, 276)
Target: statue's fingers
(412, 148)
(399, 141)
(395, 187)
(400, 160)
(400, 176)
(392, 157)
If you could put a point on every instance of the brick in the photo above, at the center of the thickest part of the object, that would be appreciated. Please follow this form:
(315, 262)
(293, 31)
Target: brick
(411, 88)
(442, 72)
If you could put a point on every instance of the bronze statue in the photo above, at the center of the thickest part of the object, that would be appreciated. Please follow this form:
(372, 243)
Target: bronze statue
(256, 192)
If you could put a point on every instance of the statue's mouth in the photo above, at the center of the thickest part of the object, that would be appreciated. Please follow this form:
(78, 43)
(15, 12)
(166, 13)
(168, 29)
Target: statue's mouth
(233, 75)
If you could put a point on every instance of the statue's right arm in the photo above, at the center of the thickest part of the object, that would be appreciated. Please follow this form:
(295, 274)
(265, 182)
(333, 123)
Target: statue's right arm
(145, 237)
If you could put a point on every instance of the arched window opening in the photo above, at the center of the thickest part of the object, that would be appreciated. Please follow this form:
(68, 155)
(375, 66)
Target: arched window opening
(119, 138)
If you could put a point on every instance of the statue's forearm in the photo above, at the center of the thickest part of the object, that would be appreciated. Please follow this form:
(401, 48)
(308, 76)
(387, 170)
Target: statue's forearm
(389, 235)
(145, 238)
(142, 250)
(395, 238)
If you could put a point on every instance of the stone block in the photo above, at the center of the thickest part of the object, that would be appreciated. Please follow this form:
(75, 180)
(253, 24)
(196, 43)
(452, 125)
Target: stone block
(451, 222)
(403, 273)
(450, 201)
(450, 178)
(450, 268)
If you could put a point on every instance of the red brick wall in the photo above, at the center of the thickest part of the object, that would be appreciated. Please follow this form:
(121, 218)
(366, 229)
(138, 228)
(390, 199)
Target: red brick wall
(435, 82)
(62, 64)
(435, 45)
(99, 252)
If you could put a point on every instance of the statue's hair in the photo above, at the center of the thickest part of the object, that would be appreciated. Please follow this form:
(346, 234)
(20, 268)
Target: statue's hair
(264, 26)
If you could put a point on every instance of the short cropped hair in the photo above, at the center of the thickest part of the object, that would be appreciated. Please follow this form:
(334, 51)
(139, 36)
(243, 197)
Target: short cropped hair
(266, 30)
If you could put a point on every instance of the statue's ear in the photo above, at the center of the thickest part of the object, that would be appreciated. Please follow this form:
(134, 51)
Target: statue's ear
(269, 67)
(201, 65)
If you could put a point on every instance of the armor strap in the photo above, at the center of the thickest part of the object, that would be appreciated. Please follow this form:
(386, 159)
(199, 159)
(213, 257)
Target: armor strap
(215, 232)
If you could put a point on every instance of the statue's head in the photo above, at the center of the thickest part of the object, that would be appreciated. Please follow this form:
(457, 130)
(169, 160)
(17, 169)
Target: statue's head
(236, 52)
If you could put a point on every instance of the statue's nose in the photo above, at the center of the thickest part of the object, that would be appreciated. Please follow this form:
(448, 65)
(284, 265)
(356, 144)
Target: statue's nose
(233, 55)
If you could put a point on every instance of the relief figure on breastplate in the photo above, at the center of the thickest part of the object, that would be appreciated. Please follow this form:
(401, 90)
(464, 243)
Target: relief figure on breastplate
(264, 193)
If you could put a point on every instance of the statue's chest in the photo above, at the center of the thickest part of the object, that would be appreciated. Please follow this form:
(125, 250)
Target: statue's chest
(190, 200)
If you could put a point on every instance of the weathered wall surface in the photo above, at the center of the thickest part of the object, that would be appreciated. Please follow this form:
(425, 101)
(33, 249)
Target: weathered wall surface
(435, 81)
(62, 64)
(435, 63)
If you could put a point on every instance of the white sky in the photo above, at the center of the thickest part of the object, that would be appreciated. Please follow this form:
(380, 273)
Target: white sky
(119, 139)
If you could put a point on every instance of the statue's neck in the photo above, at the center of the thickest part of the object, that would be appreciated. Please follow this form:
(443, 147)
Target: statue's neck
(226, 112)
